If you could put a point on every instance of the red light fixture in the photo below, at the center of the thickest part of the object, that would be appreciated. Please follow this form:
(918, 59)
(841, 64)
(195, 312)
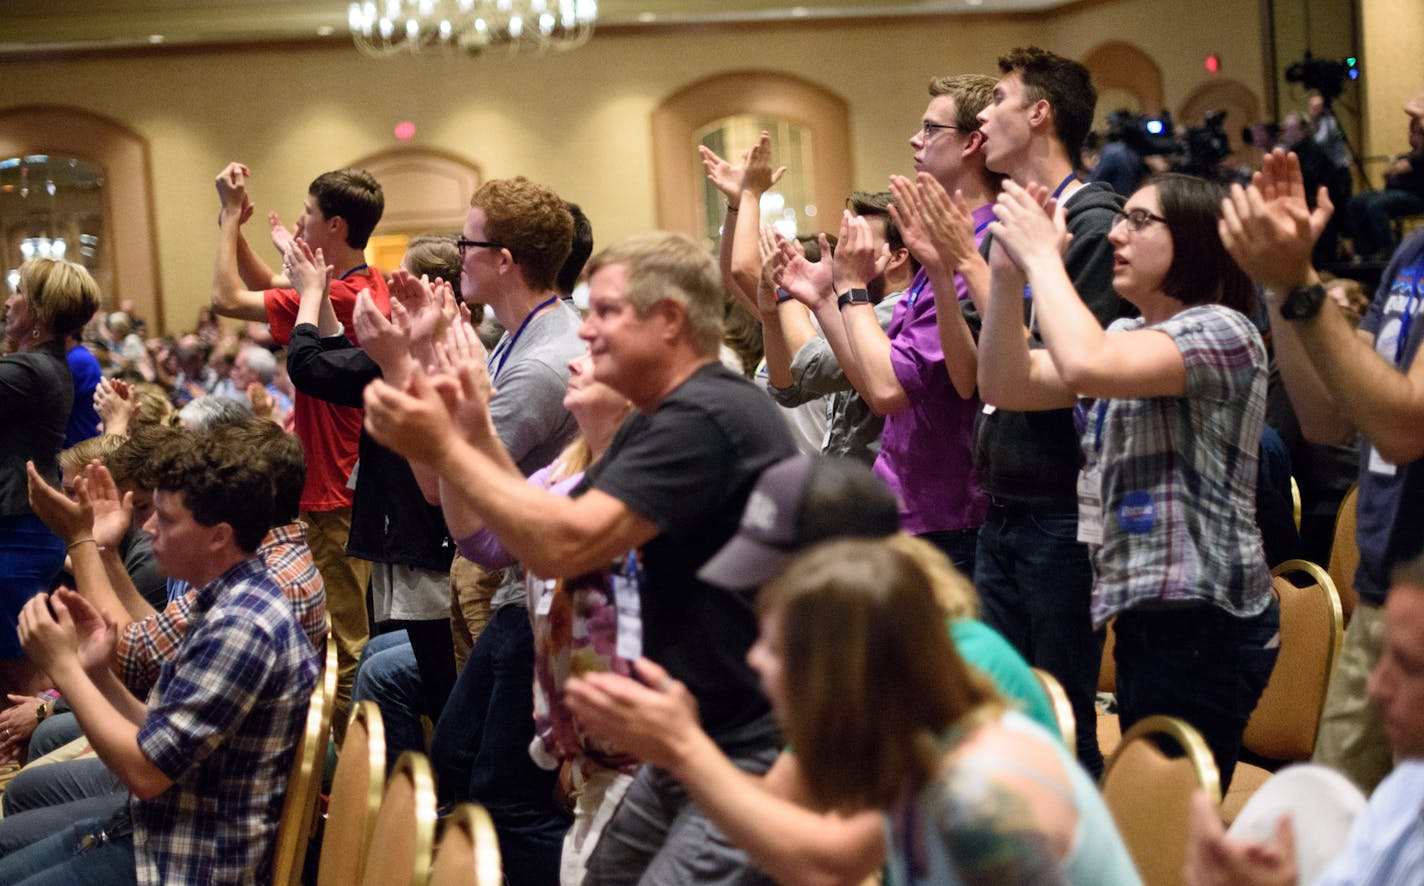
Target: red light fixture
(405, 130)
(1213, 64)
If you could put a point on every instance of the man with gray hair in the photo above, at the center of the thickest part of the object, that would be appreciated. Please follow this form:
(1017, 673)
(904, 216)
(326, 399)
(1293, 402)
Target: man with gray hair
(667, 494)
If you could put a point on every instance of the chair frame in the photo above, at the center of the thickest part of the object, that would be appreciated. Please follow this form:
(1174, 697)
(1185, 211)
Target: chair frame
(368, 716)
(1343, 547)
(298, 821)
(414, 767)
(1193, 746)
(471, 823)
(1062, 708)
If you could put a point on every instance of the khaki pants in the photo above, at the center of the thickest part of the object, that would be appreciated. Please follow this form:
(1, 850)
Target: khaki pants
(471, 590)
(345, 579)
(1352, 737)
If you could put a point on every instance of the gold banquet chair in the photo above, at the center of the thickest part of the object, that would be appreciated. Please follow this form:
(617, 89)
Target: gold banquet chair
(1062, 709)
(304, 784)
(399, 851)
(355, 798)
(1149, 792)
(467, 847)
(1344, 554)
(1286, 719)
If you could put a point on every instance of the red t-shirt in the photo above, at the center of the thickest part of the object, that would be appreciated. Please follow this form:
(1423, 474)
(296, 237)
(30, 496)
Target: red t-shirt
(330, 434)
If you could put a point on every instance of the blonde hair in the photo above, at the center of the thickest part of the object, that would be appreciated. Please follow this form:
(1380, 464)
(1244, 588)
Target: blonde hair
(61, 295)
(76, 457)
(670, 267)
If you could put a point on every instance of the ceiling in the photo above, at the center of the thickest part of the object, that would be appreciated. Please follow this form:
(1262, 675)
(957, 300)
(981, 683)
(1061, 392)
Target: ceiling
(33, 27)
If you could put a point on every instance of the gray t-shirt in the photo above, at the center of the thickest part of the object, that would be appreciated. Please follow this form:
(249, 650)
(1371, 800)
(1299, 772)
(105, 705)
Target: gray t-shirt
(530, 371)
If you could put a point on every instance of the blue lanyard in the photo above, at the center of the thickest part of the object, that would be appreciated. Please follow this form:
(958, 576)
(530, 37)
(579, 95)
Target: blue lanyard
(507, 346)
(1072, 176)
(1406, 319)
(360, 267)
(922, 279)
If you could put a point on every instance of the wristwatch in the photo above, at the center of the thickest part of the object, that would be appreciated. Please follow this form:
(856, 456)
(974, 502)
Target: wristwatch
(1303, 302)
(855, 296)
(41, 712)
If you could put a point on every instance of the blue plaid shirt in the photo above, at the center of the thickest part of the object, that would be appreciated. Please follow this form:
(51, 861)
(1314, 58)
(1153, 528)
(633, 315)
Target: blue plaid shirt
(223, 722)
(1179, 476)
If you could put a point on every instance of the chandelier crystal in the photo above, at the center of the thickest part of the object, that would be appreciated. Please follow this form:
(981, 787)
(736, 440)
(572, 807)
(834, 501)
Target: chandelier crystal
(382, 28)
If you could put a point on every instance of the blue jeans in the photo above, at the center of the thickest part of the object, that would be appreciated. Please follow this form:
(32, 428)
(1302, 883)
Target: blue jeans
(1035, 583)
(57, 860)
(480, 750)
(387, 674)
(1199, 663)
(30, 557)
(1370, 214)
(958, 545)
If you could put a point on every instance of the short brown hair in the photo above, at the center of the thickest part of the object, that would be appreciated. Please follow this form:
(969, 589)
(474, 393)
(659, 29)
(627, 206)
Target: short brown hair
(354, 196)
(871, 676)
(672, 267)
(971, 93)
(61, 295)
(76, 457)
(435, 255)
(1065, 84)
(532, 222)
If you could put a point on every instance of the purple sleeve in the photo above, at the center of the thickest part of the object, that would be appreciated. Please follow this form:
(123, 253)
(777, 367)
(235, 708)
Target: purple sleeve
(484, 549)
(916, 354)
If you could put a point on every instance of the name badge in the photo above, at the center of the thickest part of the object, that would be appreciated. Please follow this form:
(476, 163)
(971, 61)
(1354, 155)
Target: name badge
(1379, 466)
(1090, 504)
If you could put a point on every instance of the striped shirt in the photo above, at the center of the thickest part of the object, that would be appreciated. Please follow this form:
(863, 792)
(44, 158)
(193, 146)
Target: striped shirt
(1179, 476)
(1386, 842)
(223, 722)
(146, 644)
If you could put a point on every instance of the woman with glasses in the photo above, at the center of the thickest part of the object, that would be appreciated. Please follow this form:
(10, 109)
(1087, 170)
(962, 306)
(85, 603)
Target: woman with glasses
(1171, 406)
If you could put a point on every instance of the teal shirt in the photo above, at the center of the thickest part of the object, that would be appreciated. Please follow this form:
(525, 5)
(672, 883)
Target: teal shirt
(984, 649)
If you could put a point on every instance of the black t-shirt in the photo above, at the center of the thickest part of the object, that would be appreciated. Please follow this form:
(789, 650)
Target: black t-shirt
(688, 468)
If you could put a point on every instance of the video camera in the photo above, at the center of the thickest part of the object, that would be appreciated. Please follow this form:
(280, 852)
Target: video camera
(1326, 76)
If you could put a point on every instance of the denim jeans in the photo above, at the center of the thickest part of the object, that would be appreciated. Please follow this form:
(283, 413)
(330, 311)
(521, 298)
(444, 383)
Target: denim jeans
(1370, 214)
(57, 860)
(388, 675)
(1199, 663)
(480, 750)
(1035, 582)
(958, 545)
(30, 557)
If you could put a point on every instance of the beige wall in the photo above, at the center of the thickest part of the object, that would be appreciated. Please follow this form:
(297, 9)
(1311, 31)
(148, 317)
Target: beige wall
(1393, 71)
(578, 122)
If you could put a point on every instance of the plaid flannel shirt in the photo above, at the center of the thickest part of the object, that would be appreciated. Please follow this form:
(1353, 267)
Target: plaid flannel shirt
(223, 722)
(146, 644)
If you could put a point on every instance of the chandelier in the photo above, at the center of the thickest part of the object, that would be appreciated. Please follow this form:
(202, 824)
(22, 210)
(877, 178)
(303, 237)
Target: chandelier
(382, 28)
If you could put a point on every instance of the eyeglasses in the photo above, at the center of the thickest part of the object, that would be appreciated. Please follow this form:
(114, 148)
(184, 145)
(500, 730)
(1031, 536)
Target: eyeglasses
(928, 128)
(1136, 220)
(462, 244)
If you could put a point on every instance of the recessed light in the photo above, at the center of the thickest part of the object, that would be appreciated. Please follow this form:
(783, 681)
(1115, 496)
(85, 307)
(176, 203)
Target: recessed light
(325, 31)
(647, 17)
(800, 12)
(155, 39)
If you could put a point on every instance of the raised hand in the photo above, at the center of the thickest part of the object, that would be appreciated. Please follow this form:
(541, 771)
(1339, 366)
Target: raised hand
(95, 630)
(232, 186)
(114, 403)
(70, 520)
(113, 514)
(857, 261)
(809, 282)
(414, 422)
(1268, 228)
(387, 341)
(758, 176)
(281, 237)
(937, 228)
(306, 269)
(1031, 227)
(425, 306)
(49, 638)
(724, 176)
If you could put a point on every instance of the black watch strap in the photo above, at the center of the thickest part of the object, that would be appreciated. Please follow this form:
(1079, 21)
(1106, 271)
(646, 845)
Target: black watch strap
(854, 296)
(1303, 302)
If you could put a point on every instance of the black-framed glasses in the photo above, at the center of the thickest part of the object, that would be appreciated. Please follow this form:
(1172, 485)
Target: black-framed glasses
(1136, 219)
(929, 128)
(462, 244)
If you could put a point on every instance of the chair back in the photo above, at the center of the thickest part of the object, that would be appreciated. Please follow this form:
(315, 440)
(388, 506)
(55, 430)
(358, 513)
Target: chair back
(1345, 554)
(1295, 502)
(1148, 784)
(1062, 709)
(399, 851)
(467, 847)
(304, 783)
(355, 798)
(1284, 723)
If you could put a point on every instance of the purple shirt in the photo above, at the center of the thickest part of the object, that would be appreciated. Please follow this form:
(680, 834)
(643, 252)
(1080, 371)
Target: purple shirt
(925, 454)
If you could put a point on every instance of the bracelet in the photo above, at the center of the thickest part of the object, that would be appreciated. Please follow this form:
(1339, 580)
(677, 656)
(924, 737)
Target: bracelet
(732, 210)
(79, 541)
